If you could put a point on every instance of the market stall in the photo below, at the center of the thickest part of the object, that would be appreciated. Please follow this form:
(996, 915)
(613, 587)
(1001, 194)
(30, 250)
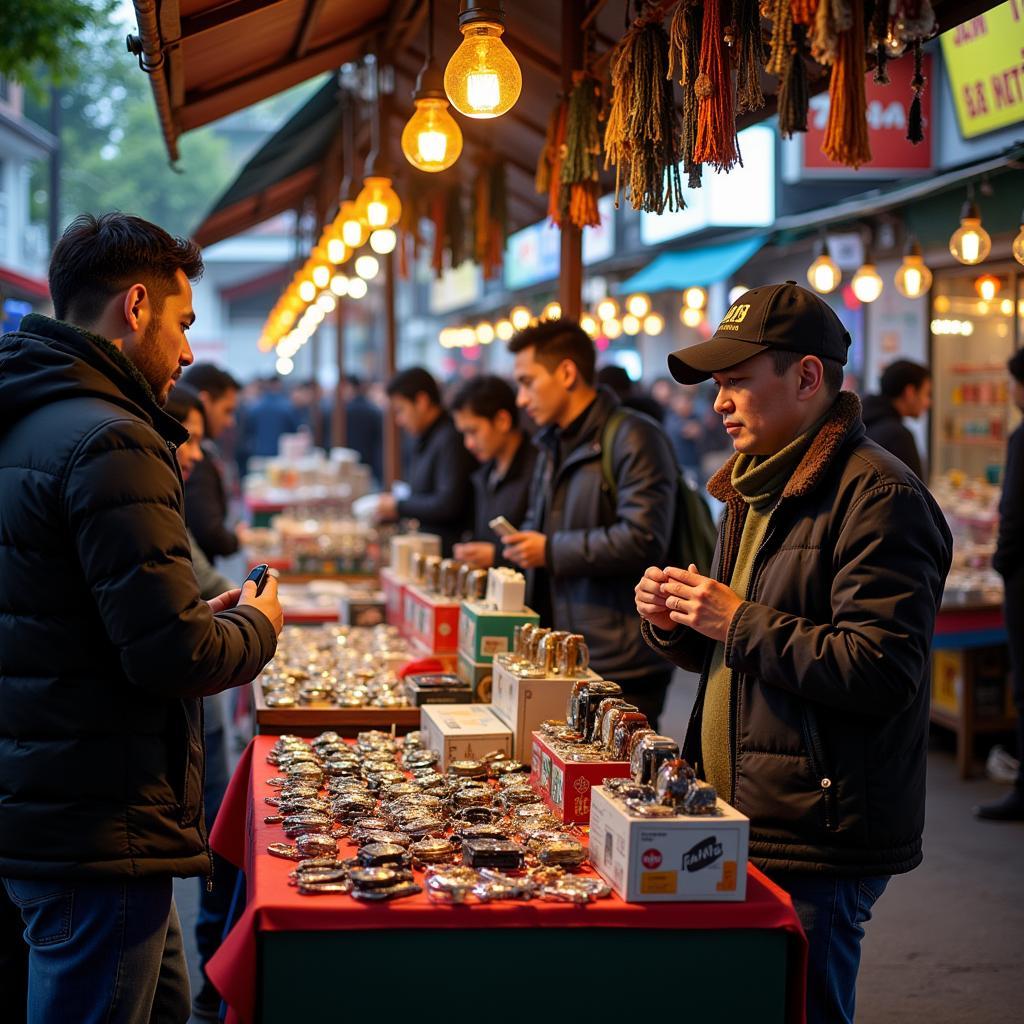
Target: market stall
(310, 949)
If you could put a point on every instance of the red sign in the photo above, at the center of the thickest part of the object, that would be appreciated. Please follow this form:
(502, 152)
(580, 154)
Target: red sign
(651, 859)
(888, 106)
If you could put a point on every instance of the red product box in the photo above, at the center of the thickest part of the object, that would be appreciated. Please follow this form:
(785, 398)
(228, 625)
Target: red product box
(565, 785)
(394, 598)
(431, 620)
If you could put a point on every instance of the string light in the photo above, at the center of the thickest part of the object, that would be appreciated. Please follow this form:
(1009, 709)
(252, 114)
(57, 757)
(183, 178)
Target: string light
(354, 231)
(284, 366)
(867, 283)
(520, 317)
(987, 286)
(639, 304)
(504, 330)
(823, 274)
(607, 309)
(912, 278)
(357, 288)
(695, 298)
(691, 317)
(339, 285)
(484, 333)
(337, 250)
(552, 311)
(631, 324)
(327, 302)
(383, 241)
(378, 203)
(611, 328)
(590, 325)
(367, 266)
(482, 79)
(970, 243)
(654, 324)
(307, 291)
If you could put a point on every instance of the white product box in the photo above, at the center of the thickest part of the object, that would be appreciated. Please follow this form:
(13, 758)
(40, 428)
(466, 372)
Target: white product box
(463, 732)
(669, 859)
(523, 702)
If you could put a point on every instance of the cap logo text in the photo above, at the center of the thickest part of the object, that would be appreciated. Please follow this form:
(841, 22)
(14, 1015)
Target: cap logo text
(736, 315)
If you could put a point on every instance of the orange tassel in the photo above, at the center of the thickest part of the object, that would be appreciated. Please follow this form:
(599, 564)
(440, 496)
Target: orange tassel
(804, 11)
(716, 142)
(846, 134)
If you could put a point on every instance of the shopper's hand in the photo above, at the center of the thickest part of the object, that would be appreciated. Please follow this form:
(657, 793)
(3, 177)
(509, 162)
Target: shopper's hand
(387, 508)
(478, 554)
(701, 603)
(267, 602)
(650, 601)
(224, 601)
(527, 549)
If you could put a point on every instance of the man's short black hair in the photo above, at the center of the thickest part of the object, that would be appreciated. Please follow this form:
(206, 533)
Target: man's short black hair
(485, 396)
(784, 358)
(182, 400)
(555, 341)
(1015, 364)
(409, 383)
(896, 376)
(615, 377)
(210, 378)
(97, 257)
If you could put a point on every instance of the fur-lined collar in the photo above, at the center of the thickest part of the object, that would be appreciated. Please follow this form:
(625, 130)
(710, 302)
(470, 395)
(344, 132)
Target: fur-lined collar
(844, 418)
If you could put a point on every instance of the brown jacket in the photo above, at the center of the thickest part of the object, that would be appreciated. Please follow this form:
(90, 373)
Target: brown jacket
(830, 658)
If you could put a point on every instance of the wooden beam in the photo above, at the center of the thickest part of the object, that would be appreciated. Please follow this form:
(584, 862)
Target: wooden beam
(314, 8)
(570, 278)
(533, 54)
(222, 14)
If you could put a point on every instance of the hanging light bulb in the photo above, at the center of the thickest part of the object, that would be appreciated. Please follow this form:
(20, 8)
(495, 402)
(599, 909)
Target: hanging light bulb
(912, 278)
(337, 251)
(321, 275)
(552, 311)
(823, 274)
(987, 286)
(367, 266)
(327, 302)
(378, 204)
(695, 298)
(307, 291)
(970, 243)
(383, 241)
(867, 283)
(339, 285)
(1018, 243)
(504, 330)
(482, 78)
(484, 333)
(1006, 307)
(639, 304)
(590, 325)
(691, 317)
(631, 324)
(654, 324)
(611, 328)
(284, 366)
(357, 288)
(350, 225)
(607, 309)
(520, 317)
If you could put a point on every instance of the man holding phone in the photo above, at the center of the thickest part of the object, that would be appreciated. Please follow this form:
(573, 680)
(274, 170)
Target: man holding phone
(106, 645)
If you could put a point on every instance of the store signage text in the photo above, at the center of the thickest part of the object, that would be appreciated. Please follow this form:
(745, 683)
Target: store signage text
(985, 62)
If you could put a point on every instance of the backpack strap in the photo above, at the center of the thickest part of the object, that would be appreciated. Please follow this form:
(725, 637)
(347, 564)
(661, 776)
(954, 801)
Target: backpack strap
(611, 428)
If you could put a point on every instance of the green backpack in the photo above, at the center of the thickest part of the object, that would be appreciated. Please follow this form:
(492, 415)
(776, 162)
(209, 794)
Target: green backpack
(694, 533)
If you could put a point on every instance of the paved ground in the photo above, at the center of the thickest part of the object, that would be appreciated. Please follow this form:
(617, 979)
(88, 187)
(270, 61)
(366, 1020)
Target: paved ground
(946, 941)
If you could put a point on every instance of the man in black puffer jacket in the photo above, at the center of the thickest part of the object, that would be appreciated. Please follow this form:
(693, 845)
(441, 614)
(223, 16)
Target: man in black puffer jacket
(106, 646)
(813, 632)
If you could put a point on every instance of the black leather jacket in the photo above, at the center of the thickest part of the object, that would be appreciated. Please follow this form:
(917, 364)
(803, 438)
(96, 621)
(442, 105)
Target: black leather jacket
(830, 658)
(598, 547)
(105, 642)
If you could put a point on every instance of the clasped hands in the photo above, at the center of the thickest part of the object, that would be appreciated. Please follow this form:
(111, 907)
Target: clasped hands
(673, 597)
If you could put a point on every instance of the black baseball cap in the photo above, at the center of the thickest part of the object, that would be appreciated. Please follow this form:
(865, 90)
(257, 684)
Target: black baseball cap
(783, 316)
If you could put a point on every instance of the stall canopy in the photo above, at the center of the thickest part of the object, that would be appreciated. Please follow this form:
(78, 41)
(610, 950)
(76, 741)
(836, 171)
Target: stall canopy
(704, 265)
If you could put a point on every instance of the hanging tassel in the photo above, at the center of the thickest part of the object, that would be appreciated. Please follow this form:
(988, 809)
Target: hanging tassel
(749, 52)
(804, 11)
(825, 35)
(641, 136)
(846, 134)
(684, 45)
(580, 169)
(915, 121)
(794, 97)
(716, 142)
(781, 53)
(879, 30)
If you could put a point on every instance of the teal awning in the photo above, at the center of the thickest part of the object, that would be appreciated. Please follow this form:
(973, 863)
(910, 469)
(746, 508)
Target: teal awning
(704, 265)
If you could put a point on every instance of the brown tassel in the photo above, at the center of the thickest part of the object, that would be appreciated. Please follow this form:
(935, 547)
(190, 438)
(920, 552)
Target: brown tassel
(915, 121)
(684, 43)
(825, 34)
(846, 134)
(580, 168)
(794, 96)
(716, 142)
(781, 53)
(749, 51)
(804, 11)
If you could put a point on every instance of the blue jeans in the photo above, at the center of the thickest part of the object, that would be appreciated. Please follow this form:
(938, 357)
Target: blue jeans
(833, 912)
(103, 952)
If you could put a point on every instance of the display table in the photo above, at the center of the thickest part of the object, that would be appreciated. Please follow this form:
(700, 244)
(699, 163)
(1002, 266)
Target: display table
(291, 956)
(971, 693)
(313, 719)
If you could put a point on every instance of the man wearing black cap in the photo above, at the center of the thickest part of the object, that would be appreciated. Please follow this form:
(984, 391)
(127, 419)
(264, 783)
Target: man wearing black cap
(813, 631)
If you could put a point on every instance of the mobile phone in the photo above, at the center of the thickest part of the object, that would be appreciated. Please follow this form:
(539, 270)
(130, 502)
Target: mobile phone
(501, 526)
(259, 575)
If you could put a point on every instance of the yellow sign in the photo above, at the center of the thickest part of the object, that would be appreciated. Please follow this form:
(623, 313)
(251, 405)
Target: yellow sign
(985, 63)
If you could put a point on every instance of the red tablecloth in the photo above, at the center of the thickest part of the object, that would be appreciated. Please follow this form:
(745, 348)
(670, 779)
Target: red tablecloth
(273, 905)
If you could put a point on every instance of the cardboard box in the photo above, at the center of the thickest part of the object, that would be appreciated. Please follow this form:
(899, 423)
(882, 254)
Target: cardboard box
(566, 785)
(523, 703)
(394, 598)
(461, 732)
(431, 620)
(363, 609)
(484, 632)
(669, 859)
(437, 688)
(479, 675)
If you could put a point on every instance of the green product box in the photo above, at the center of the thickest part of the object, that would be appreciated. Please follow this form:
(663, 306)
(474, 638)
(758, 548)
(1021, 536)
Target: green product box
(484, 632)
(479, 676)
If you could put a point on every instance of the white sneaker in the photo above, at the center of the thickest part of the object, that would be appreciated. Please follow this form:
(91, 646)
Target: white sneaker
(1002, 766)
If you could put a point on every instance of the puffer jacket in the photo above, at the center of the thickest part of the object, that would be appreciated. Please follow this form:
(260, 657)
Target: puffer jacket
(599, 543)
(105, 643)
(830, 658)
